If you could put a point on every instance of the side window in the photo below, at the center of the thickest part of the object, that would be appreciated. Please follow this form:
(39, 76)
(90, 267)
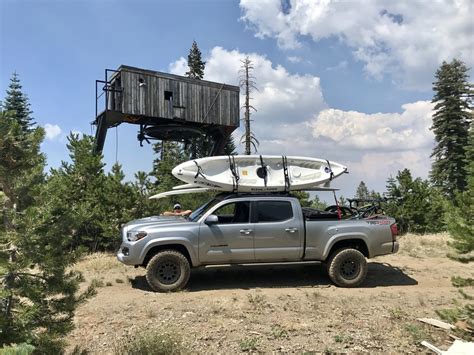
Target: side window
(274, 211)
(234, 212)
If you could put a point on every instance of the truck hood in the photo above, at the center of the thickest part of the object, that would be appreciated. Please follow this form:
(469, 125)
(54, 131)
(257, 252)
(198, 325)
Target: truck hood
(155, 221)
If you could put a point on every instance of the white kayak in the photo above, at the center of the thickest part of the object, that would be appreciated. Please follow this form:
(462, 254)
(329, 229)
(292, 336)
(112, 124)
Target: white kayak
(182, 190)
(258, 173)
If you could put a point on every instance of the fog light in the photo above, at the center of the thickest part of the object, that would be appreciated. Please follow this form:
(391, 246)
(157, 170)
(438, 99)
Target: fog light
(125, 251)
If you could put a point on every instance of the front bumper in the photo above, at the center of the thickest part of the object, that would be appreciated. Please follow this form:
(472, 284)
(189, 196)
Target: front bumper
(129, 253)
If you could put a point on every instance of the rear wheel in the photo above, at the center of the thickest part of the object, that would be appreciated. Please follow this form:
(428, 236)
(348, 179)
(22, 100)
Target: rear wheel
(168, 271)
(347, 267)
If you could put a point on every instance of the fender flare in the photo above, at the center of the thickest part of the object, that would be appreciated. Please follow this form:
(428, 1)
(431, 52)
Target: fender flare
(345, 236)
(163, 242)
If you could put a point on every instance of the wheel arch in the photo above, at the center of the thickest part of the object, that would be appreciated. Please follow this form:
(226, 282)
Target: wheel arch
(357, 243)
(172, 246)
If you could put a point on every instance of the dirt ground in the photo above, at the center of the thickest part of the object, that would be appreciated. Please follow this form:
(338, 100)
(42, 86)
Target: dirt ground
(284, 308)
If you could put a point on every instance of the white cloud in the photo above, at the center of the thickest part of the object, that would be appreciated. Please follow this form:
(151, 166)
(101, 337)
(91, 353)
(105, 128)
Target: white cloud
(382, 131)
(294, 59)
(281, 96)
(293, 119)
(407, 39)
(52, 131)
(376, 166)
(179, 67)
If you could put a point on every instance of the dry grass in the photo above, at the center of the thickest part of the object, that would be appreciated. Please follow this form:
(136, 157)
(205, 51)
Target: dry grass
(426, 245)
(99, 263)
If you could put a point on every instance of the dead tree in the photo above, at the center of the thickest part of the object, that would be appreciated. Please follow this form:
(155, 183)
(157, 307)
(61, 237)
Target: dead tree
(247, 82)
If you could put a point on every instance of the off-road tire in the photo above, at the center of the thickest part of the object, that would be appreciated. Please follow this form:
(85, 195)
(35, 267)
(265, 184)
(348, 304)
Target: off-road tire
(168, 271)
(347, 267)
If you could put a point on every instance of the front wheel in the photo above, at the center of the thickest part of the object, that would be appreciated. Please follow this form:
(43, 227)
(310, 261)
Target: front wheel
(347, 267)
(168, 271)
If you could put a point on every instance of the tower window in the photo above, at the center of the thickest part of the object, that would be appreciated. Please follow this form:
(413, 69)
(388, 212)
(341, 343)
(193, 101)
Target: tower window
(169, 95)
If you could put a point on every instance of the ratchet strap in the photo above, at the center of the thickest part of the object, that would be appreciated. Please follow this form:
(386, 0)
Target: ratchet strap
(264, 171)
(331, 174)
(235, 174)
(199, 170)
(285, 173)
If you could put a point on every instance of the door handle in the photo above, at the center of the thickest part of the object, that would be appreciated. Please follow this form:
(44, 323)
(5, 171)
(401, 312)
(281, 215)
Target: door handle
(291, 230)
(245, 231)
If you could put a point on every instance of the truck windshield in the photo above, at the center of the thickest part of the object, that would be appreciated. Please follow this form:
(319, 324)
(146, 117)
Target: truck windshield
(193, 217)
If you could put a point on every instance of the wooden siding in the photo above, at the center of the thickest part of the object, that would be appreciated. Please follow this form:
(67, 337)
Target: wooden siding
(192, 100)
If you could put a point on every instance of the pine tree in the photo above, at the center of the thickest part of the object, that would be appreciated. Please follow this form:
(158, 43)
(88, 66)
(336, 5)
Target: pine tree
(18, 104)
(450, 126)
(230, 147)
(141, 186)
(84, 176)
(119, 201)
(198, 147)
(460, 215)
(195, 63)
(318, 204)
(39, 291)
(169, 155)
(362, 191)
(414, 203)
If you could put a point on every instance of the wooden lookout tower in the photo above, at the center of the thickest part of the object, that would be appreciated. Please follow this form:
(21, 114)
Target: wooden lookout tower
(166, 106)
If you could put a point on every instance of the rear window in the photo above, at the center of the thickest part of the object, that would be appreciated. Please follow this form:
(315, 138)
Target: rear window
(274, 211)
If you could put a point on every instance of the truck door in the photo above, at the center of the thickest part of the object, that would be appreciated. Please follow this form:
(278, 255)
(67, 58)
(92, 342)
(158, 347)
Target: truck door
(231, 239)
(279, 232)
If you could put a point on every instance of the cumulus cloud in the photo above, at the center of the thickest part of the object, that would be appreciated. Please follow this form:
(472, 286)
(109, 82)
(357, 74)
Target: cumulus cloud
(294, 119)
(52, 131)
(376, 166)
(281, 96)
(407, 39)
(179, 66)
(382, 131)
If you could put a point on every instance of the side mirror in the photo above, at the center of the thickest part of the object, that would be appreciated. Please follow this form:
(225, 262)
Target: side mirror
(211, 219)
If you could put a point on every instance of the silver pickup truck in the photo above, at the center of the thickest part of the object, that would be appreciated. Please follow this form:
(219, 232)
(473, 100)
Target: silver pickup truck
(245, 229)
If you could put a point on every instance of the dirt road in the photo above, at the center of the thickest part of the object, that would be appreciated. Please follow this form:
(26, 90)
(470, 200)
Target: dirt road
(289, 308)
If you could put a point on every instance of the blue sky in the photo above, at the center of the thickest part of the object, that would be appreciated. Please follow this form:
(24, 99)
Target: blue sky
(349, 81)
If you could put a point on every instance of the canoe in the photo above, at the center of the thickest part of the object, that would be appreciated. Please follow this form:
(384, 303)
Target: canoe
(258, 173)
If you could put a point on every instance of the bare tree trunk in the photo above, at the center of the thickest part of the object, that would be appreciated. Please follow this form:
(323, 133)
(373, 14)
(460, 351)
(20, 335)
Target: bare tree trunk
(248, 83)
(247, 111)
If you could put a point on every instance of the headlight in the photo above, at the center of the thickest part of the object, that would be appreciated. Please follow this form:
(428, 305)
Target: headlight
(134, 236)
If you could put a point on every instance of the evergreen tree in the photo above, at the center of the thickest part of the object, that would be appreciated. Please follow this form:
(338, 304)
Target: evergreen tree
(141, 186)
(414, 203)
(318, 204)
(450, 126)
(82, 184)
(460, 215)
(169, 154)
(200, 146)
(362, 191)
(230, 147)
(119, 201)
(195, 63)
(39, 291)
(18, 104)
